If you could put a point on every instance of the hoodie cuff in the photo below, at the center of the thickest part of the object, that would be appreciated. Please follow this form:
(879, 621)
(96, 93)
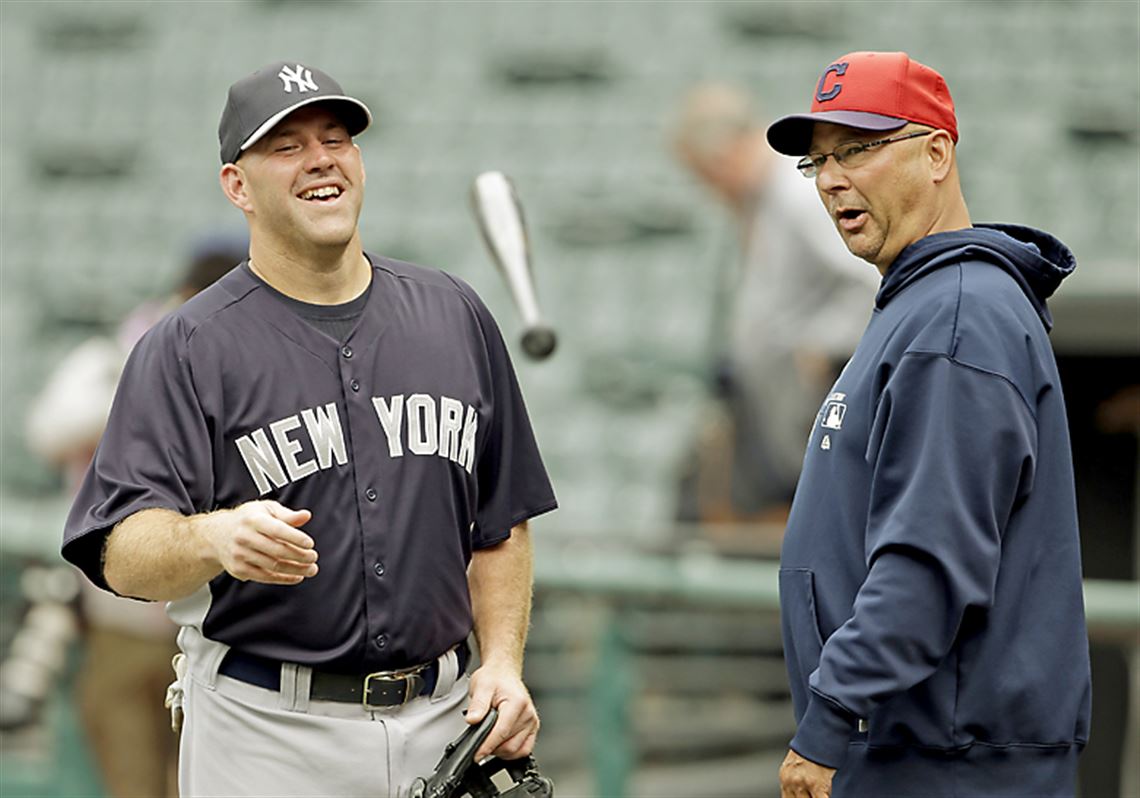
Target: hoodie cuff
(824, 732)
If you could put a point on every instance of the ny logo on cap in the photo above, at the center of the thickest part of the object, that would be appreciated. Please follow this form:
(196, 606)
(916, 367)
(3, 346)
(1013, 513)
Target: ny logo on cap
(300, 76)
(823, 96)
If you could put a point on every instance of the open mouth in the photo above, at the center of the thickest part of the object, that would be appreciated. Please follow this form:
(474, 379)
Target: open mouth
(850, 218)
(322, 194)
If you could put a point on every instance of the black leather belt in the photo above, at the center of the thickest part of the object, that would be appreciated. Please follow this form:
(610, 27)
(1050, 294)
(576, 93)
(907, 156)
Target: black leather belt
(380, 689)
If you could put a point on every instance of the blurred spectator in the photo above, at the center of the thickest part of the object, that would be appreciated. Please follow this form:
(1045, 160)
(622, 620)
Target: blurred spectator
(128, 644)
(792, 313)
(1120, 413)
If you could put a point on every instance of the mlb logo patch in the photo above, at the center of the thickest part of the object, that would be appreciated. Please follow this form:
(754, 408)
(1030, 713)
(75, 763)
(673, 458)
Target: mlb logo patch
(834, 409)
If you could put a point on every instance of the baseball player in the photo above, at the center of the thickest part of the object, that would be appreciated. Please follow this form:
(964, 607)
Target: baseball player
(324, 463)
(930, 579)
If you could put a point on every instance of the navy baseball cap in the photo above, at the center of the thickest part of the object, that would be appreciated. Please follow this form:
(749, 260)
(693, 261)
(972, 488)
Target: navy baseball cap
(259, 101)
(870, 91)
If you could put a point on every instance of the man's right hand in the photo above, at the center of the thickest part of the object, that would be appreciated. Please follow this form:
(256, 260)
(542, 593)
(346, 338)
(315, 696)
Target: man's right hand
(261, 541)
(802, 778)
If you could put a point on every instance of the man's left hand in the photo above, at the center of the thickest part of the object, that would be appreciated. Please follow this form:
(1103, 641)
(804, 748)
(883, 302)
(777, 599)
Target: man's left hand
(514, 733)
(802, 778)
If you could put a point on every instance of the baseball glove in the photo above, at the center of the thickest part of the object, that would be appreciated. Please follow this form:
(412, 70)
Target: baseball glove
(458, 775)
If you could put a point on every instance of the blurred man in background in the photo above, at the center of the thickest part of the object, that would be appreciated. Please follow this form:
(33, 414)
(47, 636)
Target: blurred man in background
(792, 311)
(128, 644)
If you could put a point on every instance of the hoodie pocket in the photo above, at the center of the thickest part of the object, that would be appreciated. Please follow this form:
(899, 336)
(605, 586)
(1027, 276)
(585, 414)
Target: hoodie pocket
(803, 643)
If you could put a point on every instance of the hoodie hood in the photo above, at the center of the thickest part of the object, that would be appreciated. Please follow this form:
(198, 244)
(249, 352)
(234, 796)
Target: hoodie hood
(1037, 261)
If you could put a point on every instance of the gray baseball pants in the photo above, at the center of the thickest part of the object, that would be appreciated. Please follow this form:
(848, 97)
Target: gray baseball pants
(242, 740)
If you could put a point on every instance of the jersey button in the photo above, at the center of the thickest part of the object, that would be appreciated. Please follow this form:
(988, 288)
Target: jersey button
(378, 568)
(354, 385)
(370, 494)
(346, 350)
(381, 641)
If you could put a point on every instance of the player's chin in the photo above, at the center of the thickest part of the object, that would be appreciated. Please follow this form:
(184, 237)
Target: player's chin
(343, 210)
(862, 245)
(331, 232)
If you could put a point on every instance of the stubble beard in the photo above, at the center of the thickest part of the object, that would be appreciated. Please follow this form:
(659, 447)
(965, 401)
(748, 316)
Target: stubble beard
(865, 245)
(324, 233)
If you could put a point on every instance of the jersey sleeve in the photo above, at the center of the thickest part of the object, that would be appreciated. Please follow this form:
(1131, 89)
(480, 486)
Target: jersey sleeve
(154, 453)
(952, 449)
(512, 481)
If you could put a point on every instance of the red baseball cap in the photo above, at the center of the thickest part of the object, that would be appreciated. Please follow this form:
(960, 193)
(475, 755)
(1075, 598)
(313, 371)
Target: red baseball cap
(870, 91)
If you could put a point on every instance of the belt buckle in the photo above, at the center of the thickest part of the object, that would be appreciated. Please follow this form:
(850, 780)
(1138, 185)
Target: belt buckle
(391, 677)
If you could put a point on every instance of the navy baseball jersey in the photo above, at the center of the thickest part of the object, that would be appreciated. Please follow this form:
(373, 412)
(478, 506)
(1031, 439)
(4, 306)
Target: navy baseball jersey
(408, 440)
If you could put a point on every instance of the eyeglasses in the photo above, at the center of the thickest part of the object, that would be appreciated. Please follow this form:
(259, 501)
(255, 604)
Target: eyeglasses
(851, 155)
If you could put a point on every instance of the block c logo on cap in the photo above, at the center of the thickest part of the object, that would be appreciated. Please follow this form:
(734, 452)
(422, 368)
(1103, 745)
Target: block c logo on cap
(300, 76)
(823, 96)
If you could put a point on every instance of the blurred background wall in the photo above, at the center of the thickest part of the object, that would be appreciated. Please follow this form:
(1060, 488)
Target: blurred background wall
(108, 164)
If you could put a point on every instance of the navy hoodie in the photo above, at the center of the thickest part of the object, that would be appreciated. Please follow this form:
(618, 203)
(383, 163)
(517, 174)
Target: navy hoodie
(930, 578)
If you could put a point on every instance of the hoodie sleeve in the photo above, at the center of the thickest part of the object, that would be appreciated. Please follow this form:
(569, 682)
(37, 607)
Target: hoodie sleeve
(952, 450)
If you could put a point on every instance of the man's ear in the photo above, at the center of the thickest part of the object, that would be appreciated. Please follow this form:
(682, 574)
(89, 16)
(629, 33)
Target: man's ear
(363, 172)
(235, 187)
(940, 151)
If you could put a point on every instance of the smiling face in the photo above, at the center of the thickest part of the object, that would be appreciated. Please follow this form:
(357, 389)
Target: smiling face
(302, 185)
(885, 203)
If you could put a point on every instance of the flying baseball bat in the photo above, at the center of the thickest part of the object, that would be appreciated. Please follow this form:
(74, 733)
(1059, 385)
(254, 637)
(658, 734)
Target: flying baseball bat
(500, 218)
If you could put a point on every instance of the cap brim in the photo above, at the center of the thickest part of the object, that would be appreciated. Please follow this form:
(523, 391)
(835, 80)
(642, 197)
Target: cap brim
(356, 116)
(791, 135)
